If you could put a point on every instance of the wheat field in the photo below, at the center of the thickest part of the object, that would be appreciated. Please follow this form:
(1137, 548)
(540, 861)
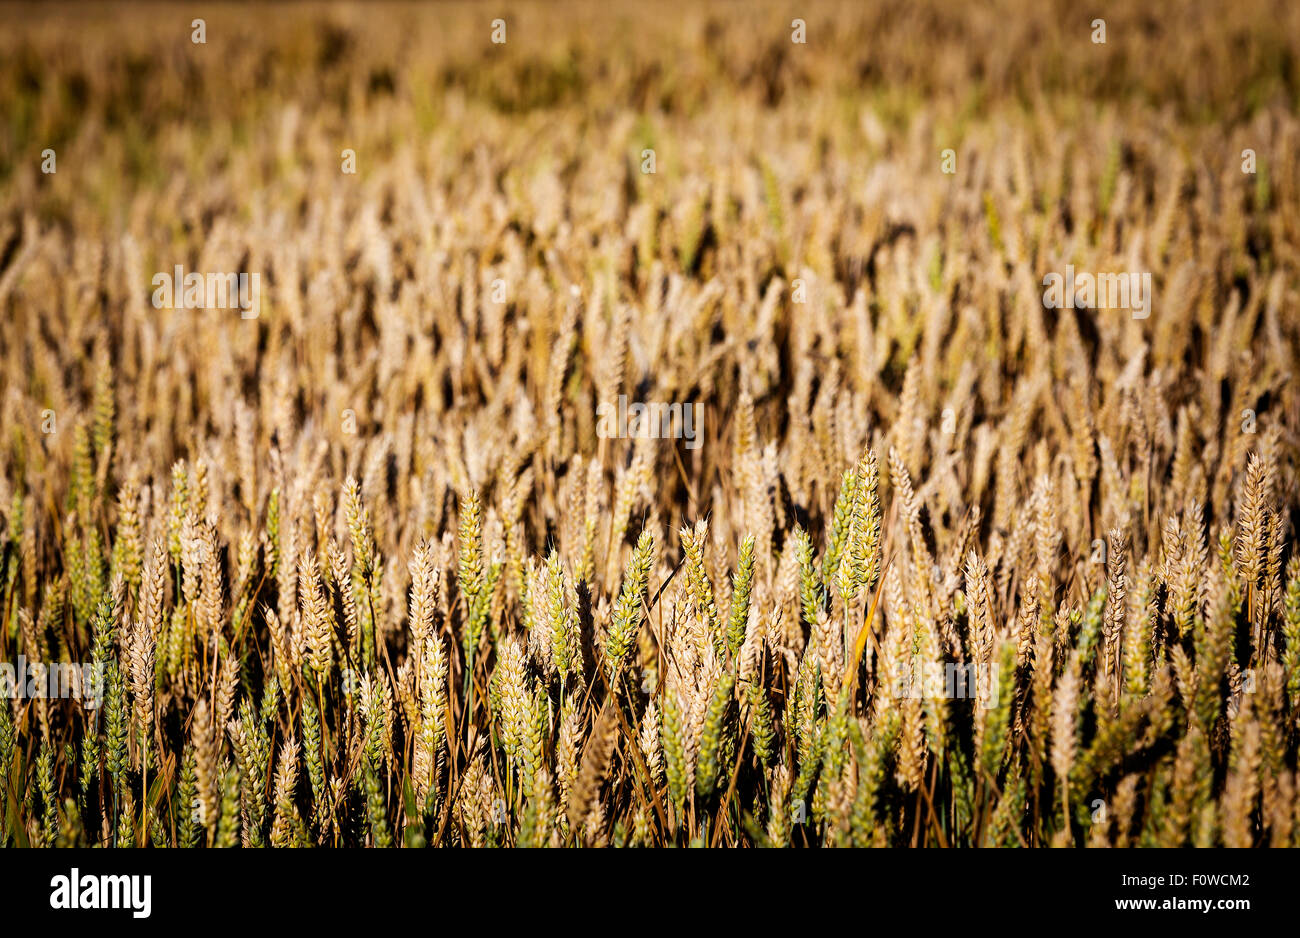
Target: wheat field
(924, 558)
